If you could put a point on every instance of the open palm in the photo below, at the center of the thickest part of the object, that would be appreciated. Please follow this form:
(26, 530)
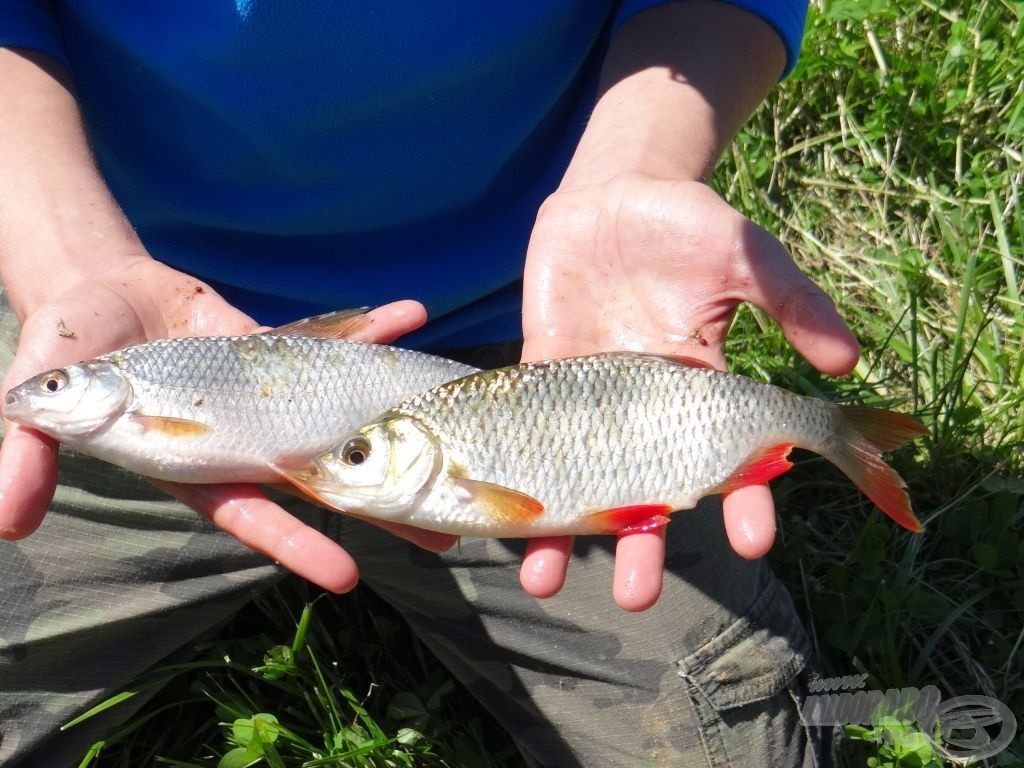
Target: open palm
(645, 264)
(139, 300)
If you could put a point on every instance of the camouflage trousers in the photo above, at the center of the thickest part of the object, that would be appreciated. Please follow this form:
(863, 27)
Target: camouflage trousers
(120, 578)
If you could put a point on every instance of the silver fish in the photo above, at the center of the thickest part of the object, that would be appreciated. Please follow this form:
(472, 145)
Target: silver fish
(225, 409)
(608, 443)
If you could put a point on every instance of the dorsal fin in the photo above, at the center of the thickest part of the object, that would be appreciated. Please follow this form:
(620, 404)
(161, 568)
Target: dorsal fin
(689, 362)
(342, 324)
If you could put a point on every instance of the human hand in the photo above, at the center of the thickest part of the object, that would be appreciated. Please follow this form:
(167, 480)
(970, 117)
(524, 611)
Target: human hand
(131, 301)
(641, 263)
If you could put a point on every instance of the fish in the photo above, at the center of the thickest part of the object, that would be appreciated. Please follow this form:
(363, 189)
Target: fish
(222, 409)
(602, 444)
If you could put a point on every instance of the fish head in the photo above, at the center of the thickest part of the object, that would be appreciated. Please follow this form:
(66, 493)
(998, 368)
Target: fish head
(385, 470)
(71, 401)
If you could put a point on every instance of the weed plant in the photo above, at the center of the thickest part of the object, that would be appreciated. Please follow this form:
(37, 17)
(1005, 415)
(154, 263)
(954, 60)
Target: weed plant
(890, 164)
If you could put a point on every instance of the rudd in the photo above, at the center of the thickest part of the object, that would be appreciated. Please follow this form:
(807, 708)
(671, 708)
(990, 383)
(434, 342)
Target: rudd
(609, 443)
(224, 409)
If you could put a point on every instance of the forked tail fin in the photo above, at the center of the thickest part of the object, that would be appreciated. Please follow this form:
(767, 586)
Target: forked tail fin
(863, 434)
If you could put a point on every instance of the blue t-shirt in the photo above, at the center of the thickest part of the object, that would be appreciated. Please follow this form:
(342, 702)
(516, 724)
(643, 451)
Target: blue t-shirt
(304, 157)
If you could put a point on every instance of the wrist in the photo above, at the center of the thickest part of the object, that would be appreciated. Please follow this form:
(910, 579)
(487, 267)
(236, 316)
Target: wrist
(58, 221)
(678, 82)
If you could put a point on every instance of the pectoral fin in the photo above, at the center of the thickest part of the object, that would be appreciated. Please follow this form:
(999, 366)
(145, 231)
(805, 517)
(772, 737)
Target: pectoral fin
(342, 324)
(186, 429)
(501, 504)
(636, 518)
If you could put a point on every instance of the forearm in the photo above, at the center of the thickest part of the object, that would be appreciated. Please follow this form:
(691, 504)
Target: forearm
(58, 220)
(678, 83)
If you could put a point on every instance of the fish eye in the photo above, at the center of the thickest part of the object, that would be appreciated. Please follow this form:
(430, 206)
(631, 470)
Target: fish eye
(54, 381)
(356, 451)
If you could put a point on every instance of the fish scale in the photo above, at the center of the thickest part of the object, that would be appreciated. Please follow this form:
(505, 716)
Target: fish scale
(598, 444)
(669, 445)
(225, 409)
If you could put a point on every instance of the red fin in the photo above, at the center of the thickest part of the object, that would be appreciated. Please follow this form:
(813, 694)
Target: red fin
(759, 468)
(171, 426)
(885, 430)
(501, 504)
(863, 434)
(342, 324)
(636, 518)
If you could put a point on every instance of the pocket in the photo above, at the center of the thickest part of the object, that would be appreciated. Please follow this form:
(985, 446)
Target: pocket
(745, 684)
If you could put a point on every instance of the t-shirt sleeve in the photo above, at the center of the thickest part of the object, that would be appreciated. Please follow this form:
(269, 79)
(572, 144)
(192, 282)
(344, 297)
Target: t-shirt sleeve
(787, 18)
(31, 24)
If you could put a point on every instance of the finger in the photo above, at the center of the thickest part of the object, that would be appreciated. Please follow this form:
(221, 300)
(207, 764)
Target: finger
(807, 316)
(749, 515)
(545, 565)
(431, 541)
(28, 479)
(248, 515)
(28, 459)
(639, 566)
(428, 540)
(387, 323)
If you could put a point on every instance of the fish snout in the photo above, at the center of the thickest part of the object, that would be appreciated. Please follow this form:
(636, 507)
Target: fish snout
(11, 402)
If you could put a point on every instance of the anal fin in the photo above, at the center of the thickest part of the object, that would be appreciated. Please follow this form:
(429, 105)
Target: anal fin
(635, 518)
(758, 469)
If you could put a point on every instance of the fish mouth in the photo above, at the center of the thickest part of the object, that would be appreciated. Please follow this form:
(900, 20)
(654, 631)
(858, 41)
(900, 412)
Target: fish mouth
(14, 406)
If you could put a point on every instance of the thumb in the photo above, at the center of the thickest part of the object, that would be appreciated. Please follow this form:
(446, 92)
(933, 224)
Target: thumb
(388, 322)
(808, 317)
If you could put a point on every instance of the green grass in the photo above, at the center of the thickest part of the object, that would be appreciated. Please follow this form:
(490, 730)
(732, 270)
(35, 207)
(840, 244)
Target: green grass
(890, 164)
(895, 179)
(302, 678)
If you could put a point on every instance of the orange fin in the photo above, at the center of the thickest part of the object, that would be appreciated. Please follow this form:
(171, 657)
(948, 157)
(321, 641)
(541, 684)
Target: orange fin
(292, 489)
(864, 433)
(636, 518)
(759, 468)
(342, 324)
(171, 426)
(501, 504)
(298, 483)
(685, 360)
